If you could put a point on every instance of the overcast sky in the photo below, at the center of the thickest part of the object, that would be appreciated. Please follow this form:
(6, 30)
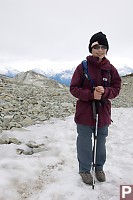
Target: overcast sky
(60, 30)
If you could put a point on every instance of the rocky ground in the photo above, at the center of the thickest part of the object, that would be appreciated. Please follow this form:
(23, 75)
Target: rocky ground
(32, 99)
(125, 99)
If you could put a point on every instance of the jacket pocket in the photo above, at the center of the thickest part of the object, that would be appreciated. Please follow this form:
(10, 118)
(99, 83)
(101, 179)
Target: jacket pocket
(108, 107)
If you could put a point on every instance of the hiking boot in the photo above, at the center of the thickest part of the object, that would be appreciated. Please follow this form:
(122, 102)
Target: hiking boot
(86, 177)
(100, 175)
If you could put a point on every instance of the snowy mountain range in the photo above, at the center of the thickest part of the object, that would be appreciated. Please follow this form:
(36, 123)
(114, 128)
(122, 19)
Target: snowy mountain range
(63, 77)
(8, 71)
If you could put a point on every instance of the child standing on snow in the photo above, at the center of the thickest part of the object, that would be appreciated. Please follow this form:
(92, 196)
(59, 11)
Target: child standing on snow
(104, 84)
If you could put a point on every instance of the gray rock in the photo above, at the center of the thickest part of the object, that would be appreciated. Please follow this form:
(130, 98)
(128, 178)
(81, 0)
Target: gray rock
(14, 140)
(4, 139)
(32, 144)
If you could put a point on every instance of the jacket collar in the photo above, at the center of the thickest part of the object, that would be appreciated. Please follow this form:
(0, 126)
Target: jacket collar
(104, 64)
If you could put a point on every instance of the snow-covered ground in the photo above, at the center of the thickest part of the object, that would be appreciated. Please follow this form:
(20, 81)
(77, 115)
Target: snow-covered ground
(52, 173)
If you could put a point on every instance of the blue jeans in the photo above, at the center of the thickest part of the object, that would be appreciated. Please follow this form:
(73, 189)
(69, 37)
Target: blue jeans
(84, 147)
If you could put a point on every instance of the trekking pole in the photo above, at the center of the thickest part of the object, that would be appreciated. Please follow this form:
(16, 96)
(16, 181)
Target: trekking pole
(94, 152)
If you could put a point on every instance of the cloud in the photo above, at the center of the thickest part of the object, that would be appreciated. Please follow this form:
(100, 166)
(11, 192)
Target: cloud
(60, 30)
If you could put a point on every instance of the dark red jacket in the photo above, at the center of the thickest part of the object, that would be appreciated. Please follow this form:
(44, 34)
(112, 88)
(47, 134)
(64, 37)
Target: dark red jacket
(82, 90)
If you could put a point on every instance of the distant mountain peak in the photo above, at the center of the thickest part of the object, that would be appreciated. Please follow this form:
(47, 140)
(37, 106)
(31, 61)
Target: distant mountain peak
(34, 78)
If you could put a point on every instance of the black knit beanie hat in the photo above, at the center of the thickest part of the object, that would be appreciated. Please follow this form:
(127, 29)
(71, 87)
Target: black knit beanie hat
(100, 38)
